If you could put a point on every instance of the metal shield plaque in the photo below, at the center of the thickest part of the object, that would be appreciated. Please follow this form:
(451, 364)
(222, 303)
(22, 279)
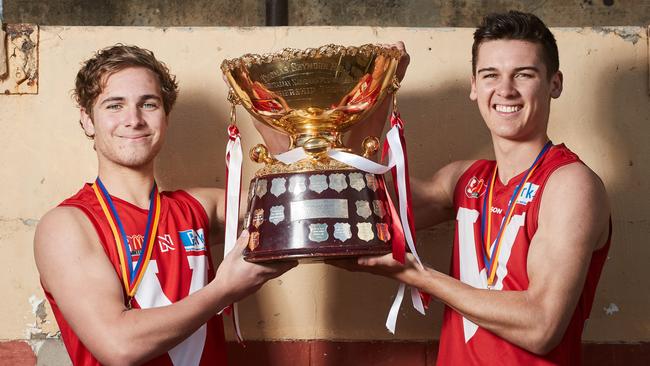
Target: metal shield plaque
(342, 231)
(260, 188)
(383, 233)
(356, 181)
(378, 208)
(318, 232)
(363, 209)
(364, 231)
(258, 217)
(251, 191)
(318, 183)
(297, 184)
(278, 186)
(253, 240)
(276, 214)
(337, 182)
(372, 182)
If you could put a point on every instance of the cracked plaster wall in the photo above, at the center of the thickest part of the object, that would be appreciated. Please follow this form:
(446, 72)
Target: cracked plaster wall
(603, 115)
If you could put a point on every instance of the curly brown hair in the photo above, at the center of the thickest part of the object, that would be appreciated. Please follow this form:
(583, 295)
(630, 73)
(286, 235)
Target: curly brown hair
(93, 74)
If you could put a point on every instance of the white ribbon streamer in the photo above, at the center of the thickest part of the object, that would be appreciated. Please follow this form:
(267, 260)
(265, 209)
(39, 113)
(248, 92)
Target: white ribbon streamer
(234, 159)
(396, 159)
(397, 156)
(234, 164)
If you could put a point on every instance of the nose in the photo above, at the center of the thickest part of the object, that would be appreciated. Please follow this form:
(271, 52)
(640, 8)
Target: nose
(134, 117)
(506, 88)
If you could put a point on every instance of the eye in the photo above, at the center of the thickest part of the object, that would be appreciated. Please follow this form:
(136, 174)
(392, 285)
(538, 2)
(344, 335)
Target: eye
(150, 105)
(489, 76)
(114, 107)
(523, 75)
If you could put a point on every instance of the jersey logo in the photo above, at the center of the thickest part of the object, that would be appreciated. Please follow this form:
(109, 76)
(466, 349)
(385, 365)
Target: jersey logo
(193, 240)
(475, 188)
(166, 243)
(496, 210)
(135, 244)
(527, 193)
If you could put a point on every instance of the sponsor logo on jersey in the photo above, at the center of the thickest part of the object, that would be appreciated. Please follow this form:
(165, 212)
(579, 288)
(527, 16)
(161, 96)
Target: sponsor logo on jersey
(135, 244)
(193, 240)
(527, 193)
(496, 210)
(475, 188)
(166, 243)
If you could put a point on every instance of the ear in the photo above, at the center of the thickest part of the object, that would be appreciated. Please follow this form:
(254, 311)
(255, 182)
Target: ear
(556, 84)
(472, 94)
(86, 123)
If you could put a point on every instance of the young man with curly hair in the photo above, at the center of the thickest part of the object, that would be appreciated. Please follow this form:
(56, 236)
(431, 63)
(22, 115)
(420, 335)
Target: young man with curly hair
(126, 267)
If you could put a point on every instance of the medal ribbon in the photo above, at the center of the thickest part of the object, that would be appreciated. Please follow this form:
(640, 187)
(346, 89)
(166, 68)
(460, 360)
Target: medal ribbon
(234, 160)
(131, 276)
(490, 256)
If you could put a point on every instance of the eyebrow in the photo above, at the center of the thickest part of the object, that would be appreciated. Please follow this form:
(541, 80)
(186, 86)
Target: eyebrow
(517, 69)
(121, 99)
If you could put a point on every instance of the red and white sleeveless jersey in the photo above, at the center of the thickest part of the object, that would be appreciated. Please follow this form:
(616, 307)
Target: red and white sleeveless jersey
(180, 264)
(464, 343)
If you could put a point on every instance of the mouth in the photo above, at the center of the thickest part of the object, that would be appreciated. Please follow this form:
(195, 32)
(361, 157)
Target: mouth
(135, 137)
(503, 108)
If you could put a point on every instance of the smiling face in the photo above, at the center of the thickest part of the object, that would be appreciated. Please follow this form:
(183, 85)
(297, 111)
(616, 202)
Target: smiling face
(512, 89)
(128, 119)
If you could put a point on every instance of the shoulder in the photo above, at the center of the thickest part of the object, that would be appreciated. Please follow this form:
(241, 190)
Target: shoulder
(452, 172)
(444, 181)
(211, 199)
(458, 168)
(577, 182)
(63, 233)
(62, 219)
(575, 193)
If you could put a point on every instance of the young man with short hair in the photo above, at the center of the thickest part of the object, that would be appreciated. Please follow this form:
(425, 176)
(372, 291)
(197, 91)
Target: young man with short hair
(532, 228)
(126, 267)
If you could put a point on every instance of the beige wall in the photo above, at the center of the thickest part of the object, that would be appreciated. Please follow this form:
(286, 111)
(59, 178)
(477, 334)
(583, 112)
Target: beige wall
(603, 115)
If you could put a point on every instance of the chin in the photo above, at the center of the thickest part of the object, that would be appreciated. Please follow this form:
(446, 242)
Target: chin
(133, 160)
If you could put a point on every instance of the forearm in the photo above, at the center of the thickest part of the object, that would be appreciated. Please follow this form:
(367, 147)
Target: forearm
(143, 334)
(512, 315)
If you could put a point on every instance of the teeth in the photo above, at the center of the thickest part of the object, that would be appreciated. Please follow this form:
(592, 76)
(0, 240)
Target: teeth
(507, 108)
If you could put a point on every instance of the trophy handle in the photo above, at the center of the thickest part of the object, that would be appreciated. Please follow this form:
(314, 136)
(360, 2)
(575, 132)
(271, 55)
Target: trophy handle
(260, 154)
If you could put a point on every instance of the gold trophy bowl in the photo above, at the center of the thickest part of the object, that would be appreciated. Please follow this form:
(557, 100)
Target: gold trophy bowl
(317, 207)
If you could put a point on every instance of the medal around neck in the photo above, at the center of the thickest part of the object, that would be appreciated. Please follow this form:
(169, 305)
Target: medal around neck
(317, 200)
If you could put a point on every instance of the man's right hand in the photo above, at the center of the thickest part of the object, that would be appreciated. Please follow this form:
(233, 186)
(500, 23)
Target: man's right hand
(239, 278)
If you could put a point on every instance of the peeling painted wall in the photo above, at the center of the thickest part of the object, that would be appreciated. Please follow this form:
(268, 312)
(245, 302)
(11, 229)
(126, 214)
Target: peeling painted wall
(603, 115)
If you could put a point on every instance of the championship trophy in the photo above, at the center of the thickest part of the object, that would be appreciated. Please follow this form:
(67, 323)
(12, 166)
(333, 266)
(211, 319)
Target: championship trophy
(318, 200)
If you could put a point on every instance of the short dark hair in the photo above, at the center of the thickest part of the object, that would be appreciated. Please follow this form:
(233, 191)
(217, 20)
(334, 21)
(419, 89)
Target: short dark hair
(93, 74)
(515, 25)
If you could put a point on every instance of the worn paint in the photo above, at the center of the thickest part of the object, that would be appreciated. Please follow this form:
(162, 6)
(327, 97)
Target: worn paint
(35, 333)
(22, 60)
(628, 34)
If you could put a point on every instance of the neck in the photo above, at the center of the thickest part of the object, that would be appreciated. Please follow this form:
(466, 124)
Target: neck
(130, 184)
(515, 157)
